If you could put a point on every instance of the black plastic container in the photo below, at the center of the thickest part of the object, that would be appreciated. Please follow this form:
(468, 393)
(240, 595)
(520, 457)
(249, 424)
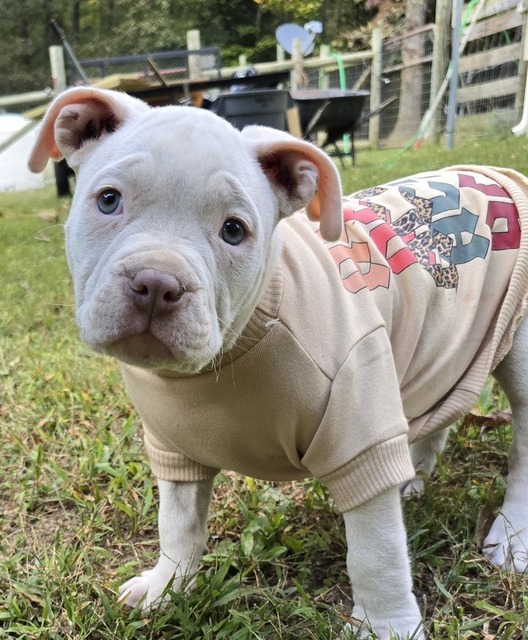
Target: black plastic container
(266, 107)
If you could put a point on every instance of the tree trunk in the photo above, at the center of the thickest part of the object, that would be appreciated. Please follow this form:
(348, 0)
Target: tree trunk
(411, 77)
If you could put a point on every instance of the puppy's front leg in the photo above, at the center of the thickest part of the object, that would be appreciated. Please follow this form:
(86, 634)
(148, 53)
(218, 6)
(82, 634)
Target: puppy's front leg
(182, 522)
(379, 569)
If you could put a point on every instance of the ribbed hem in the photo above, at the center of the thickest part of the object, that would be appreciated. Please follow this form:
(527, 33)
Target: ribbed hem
(175, 467)
(381, 467)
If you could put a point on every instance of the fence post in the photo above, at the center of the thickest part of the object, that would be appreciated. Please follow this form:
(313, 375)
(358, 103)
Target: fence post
(375, 86)
(439, 64)
(58, 70)
(324, 80)
(453, 81)
(297, 72)
(193, 43)
(522, 94)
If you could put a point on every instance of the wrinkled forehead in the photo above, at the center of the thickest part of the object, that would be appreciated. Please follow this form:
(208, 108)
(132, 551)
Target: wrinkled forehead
(177, 154)
(191, 138)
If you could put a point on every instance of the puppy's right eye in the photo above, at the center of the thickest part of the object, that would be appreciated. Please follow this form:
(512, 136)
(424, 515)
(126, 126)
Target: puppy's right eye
(233, 232)
(109, 202)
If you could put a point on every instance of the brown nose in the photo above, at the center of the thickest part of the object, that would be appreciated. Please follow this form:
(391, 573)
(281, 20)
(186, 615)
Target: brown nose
(155, 292)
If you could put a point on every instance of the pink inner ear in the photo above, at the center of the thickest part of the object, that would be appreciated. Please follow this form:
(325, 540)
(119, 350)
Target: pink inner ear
(306, 178)
(293, 173)
(78, 123)
(275, 170)
(77, 115)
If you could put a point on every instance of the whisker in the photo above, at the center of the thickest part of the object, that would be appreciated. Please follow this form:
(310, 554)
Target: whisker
(235, 334)
(34, 235)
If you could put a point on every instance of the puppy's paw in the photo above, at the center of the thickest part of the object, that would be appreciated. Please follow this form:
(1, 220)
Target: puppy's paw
(351, 632)
(146, 590)
(507, 544)
(403, 627)
(414, 488)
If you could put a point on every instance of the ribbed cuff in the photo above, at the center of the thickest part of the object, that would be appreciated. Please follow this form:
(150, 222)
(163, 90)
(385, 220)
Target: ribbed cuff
(381, 467)
(175, 467)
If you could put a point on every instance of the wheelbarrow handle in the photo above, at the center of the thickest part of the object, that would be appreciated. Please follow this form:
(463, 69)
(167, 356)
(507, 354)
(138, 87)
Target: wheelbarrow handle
(375, 111)
(315, 118)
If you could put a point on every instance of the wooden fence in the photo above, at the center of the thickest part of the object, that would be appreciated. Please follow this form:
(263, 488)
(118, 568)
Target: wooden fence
(491, 74)
(492, 69)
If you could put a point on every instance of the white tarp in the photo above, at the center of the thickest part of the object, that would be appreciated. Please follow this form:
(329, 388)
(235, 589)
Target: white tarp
(14, 173)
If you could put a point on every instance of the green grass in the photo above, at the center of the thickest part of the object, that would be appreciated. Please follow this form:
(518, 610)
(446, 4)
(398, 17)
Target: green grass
(375, 167)
(78, 502)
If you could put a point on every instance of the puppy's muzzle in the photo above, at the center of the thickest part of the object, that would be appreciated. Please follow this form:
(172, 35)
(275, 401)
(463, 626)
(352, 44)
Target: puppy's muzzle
(154, 293)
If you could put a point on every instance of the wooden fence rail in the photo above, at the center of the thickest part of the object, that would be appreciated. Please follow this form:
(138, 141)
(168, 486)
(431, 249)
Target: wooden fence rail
(492, 70)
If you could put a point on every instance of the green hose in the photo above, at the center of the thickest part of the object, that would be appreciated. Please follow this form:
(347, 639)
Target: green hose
(466, 16)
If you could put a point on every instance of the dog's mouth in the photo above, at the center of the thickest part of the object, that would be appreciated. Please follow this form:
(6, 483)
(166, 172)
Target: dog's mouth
(148, 352)
(154, 320)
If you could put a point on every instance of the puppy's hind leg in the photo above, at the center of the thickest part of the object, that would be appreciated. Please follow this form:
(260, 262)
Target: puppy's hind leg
(423, 454)
(507, 542)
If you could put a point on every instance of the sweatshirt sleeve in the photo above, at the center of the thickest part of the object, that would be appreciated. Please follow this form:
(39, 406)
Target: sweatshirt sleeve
(361, 447)
(172, 465)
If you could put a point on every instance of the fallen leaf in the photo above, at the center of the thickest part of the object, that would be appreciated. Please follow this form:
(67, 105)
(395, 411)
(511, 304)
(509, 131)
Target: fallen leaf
(48, 216)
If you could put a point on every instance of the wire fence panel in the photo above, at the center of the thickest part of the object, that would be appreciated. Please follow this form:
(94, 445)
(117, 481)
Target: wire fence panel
(406, 75)
(491, 73)
(172, 65)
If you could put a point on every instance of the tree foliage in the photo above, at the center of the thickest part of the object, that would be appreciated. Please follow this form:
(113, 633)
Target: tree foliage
(97, 28)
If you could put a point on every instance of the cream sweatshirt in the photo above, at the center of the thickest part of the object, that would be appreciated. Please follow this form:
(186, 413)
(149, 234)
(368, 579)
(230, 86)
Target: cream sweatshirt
(359, 345)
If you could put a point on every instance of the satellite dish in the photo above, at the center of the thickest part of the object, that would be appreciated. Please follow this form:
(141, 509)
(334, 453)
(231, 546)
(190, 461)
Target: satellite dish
(286, 34)
(313, 27)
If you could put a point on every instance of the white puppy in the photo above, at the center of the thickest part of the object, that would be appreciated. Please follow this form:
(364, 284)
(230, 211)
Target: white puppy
(244, 347)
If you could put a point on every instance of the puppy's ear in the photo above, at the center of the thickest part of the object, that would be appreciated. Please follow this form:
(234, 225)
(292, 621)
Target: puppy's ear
(301, 176)
(79, 116)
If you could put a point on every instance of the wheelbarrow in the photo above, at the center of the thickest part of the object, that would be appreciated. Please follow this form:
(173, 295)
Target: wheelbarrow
(334, 112)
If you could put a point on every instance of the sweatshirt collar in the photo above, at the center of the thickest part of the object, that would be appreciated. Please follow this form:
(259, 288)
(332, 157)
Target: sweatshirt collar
(263, 318)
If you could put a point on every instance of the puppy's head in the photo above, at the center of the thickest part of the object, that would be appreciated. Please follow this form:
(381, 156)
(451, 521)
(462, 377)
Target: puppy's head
(171, 234)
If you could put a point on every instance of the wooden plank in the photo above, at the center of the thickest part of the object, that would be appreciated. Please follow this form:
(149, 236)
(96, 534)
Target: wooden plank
(360, 82)
(157, 72)
(415, 63)
(491, 58)
(36, 112)
(493, 7)
(14, 100)
(348, 59)
(123, 82)
(415, 32)
(495, 89)
(496, 24)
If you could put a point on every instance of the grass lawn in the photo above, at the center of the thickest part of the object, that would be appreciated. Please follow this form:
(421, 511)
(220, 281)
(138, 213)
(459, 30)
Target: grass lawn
(78, 502)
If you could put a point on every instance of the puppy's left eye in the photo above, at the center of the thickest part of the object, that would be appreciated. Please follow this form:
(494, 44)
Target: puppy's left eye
(233, 231)
(109, 202)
